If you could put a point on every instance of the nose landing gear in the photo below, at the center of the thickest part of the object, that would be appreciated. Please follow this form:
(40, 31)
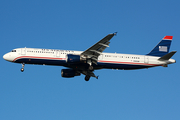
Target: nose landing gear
(22, 69)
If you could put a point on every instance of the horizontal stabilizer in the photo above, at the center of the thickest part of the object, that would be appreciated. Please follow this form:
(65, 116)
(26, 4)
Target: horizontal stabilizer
(167, 56)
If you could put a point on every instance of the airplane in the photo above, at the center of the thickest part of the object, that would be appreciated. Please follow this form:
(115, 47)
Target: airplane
(85, 62)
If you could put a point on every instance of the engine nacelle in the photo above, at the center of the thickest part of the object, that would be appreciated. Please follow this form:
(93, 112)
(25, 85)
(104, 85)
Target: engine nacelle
(68, 73)
(70, 58)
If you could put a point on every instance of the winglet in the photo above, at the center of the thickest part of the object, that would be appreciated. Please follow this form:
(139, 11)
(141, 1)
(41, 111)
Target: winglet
(168, 38)
(115, 33)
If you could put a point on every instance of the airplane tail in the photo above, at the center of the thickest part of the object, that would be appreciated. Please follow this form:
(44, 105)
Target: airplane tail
(162, 48)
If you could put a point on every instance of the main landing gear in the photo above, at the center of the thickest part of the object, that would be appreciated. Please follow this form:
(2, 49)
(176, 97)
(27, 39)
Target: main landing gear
(87, 78)
(91, 67)
(22, 69)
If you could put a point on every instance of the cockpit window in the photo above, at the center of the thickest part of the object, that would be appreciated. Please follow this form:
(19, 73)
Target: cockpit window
(13, 51)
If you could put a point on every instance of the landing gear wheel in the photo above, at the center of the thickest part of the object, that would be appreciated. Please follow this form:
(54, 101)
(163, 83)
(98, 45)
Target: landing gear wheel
(22, 69)
(87, 78)
(90, 67)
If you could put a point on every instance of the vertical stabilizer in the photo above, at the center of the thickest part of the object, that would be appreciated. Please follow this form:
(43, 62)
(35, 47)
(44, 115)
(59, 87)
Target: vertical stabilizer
(162, 48)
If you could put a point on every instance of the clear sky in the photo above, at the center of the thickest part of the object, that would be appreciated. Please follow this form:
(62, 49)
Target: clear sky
(40, 93)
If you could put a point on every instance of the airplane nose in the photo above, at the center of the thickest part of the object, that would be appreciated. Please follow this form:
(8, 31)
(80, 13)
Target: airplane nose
(7, 57)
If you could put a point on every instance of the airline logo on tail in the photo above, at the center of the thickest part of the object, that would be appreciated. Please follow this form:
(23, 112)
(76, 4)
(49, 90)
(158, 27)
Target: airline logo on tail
(163, 48)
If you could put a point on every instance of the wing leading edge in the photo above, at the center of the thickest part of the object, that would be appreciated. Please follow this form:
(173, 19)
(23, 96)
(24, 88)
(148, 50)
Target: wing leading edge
(94, 51)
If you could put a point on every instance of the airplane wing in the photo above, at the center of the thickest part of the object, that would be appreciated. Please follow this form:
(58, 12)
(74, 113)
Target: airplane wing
(94, 51)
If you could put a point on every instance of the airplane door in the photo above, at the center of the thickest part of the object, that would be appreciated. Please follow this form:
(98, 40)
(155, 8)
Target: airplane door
(100, 57)
(23, 51)
(146, 59)
(57, 53)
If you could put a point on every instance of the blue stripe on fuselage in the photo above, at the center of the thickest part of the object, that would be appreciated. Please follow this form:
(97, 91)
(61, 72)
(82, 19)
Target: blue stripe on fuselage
(64, 63)
(41, 61)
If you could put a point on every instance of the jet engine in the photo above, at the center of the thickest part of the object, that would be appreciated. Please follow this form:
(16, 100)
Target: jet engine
(70, 58)
(68, 73)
